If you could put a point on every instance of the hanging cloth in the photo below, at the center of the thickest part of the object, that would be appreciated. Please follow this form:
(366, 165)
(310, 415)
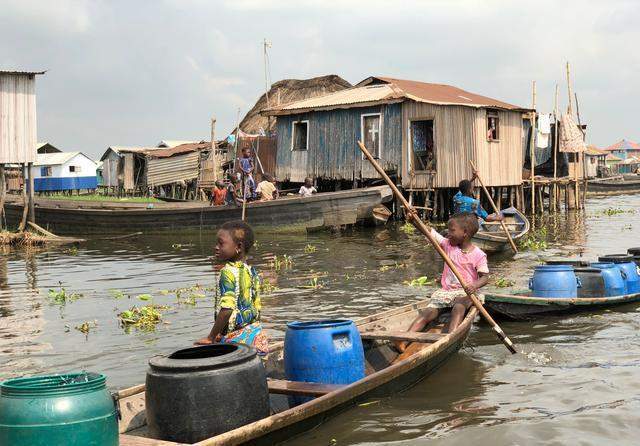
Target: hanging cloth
(544, 131)
(570, 137)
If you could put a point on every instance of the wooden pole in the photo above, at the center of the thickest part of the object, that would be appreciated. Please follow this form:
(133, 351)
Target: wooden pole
(3, 191)
(532, 152)
(495, 208)
(555, 151)
(576, 156)
(25, 201)
(582, 157)
(412, 216)
(32, 205)
(214, 151)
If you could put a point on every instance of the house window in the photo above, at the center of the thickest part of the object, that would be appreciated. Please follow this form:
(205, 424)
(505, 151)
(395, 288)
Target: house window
(75, 169)
(300, 135)
(45, 171)
(422, 153)
(370, 133)
(493, 125)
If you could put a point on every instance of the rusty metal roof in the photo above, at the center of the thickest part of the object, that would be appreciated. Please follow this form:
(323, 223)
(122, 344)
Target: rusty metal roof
(21, 72)
(178, 150)
(594, 151)
(386, 90)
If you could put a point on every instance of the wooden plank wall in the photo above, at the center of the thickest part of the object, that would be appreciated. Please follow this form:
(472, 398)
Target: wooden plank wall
(18, 127)
(128, 171)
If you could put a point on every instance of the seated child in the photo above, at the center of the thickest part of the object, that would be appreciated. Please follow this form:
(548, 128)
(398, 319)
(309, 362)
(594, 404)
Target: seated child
(238, 301)
(218, 194)
(463, 201)
(470, 261)
(267, 189)
(307, 190)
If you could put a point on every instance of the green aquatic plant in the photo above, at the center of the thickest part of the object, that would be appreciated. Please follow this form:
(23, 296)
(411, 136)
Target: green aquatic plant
(143, 318)
(535, 240)
(117, 294)
(313, 284)
(615, 211)
(309, 249)
(408, 228)
(62, 296)
(266, 287)
(502, 282)
(420, 282)
(72, 251)
(86, 326)
(144, 296)
(282, 263)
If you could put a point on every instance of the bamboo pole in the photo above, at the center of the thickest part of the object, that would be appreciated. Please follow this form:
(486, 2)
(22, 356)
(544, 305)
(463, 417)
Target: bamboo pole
(582, 157)
(412, 216)
(214, 151)
(493, 205)
(532, 152)
(555, 151)
(32, 205)
(25, 201)
(3, 191)
(576, 155)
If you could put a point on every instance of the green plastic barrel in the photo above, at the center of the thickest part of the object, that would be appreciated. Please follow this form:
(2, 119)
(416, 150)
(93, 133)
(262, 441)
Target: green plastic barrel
(72, 409)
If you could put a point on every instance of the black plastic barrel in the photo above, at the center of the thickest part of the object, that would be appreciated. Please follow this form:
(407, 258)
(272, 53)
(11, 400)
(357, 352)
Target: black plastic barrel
(592, 282)
(200, 392)
(635, 252)
(576, 263)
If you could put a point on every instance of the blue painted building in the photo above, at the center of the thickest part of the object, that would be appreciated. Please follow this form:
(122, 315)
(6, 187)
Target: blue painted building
(64, 171)
(426, 133)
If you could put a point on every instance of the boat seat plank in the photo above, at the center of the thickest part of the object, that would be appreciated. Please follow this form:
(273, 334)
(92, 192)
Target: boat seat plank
(132, 440)
(411, 336)
(284, 387)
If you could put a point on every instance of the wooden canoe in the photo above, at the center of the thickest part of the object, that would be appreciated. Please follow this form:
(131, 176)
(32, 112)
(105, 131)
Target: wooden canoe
(386, 373)
(521, 306)
(613, 186)
(287, 213)
(491, 237)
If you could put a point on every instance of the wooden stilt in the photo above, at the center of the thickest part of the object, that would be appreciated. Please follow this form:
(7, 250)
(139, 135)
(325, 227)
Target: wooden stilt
(3, 191)
(25, 200)
(32, 205)
(532, 154)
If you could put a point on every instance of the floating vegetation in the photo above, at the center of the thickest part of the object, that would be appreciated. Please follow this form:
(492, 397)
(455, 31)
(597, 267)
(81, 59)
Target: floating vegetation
(616, 211)
(117, 294)
(420, 282)
(396, 265)
(267, 287)
(143, 318)
(62, 296)
(314, 284)
(72, 251)
(502, 282)
(408, 228)
(535, 240)
(189, 295)
(86, 326)
(309, 249)
(282, 263)
(176, 246)
(144, 297)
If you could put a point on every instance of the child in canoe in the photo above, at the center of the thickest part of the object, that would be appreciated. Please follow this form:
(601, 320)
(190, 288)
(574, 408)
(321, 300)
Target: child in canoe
(471, 263)
(238, 305)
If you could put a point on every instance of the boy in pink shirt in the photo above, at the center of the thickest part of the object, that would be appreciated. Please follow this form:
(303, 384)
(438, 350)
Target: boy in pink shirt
(471, 263)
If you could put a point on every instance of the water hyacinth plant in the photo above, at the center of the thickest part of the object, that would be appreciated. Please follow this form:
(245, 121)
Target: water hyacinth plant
(143, 318)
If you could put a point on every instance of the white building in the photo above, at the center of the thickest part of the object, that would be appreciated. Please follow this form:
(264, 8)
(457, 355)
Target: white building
(64, 171)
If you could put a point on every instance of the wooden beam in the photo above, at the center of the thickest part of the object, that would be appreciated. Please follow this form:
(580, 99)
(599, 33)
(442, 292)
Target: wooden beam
(284, 387)
(132, 440)
(411, 336)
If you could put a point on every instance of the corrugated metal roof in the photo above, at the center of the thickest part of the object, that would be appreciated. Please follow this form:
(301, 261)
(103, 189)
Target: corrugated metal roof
(383, 89)
(594, 151)
(183, 148)
(21, 72)
(132, 149)
(54, 159)
(624, 145)
(170, 143)
(611, 157)
(162, 171)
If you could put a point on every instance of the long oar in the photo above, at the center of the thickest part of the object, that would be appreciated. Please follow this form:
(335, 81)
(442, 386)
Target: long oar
(412, 216)
(493, 205)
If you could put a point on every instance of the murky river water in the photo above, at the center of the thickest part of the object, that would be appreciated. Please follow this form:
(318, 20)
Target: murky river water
(575, 381)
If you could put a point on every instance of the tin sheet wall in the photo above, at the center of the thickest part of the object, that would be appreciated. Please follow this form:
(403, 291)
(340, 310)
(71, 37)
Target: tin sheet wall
(161, 171)
(18, 127)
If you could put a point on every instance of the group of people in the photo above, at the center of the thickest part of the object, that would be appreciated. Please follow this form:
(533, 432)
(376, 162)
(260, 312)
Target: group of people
(238, 303)
(242, 186)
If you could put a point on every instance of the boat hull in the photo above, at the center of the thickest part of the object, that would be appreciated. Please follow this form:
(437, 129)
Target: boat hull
(613, 187)
(520, 307)
(322, 210)
(495, 241)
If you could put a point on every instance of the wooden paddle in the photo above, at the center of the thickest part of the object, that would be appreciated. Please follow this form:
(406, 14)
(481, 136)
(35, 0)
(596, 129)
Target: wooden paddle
(412, 216)
(493, 205)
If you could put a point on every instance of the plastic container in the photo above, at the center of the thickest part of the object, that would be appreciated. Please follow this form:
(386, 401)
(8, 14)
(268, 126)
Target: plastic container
(614, 281)
(576, 263)
(635, 252)
(74, 409)
(592, 282)
(555, 281)
(328, 352)
(626, 264)
(200, 392)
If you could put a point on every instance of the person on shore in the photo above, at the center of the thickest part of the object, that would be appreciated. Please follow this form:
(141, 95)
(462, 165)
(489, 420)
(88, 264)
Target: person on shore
(238, 304)
(231, 197)
(463, 201)
(307, 189)
(267, 189)
(471, 263)
(246, 168)
(218, 194)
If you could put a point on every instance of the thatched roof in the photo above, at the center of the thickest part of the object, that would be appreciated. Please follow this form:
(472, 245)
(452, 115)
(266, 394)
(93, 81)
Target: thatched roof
(287, 91)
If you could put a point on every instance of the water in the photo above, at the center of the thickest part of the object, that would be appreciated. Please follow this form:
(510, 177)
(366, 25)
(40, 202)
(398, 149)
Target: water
(573, 383)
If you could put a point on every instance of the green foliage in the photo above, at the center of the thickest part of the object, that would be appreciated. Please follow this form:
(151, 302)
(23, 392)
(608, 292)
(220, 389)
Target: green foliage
(117, 294)
(72, 251)
(616, 211)
(502, 282)
(282, 263)
(534, 240)
(86, 326)
(145, 297)
(408, 228)
(62, 296)
(420, 282)
(143, 318)
(309, 249)
(396, 265)
(267, 287)
(314, 284)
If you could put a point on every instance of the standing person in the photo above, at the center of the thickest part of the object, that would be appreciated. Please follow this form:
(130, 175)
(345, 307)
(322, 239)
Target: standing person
(237, 317)
(471, 263)
(307, 190)
(246, 168)
(267, 189)
(231, 197)
(463, 201)
(218, 194)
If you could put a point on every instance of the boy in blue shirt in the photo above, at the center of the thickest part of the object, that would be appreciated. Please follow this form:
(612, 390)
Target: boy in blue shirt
(463, 201)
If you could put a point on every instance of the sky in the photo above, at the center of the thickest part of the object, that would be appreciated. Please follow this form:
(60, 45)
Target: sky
(138, 72)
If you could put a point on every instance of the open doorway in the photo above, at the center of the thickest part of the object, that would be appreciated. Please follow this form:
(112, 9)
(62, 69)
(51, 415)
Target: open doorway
(422, 146)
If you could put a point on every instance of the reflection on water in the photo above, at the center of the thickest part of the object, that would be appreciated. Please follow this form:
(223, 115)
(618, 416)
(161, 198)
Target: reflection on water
(573, 383)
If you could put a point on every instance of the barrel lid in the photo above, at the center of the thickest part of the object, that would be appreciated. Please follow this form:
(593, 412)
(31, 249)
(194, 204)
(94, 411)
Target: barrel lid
(54, 385)
(616, 258)
(567, 261)
(309, 325)
(554, 268)
(634, 251)
(205, 357)
(603, 265)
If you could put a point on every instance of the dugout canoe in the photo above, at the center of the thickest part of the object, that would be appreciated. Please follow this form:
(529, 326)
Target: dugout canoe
(613, 186)
(520, 305)
(491, 237)
(387, 373)
(328, 209)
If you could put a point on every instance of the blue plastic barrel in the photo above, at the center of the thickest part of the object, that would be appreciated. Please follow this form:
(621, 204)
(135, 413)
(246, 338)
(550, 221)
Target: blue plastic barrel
(614, 281)
(328, 352)
(554, 281)
(625, 263)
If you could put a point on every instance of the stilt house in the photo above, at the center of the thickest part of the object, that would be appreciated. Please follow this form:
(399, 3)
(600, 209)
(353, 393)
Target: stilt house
(425, 133)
